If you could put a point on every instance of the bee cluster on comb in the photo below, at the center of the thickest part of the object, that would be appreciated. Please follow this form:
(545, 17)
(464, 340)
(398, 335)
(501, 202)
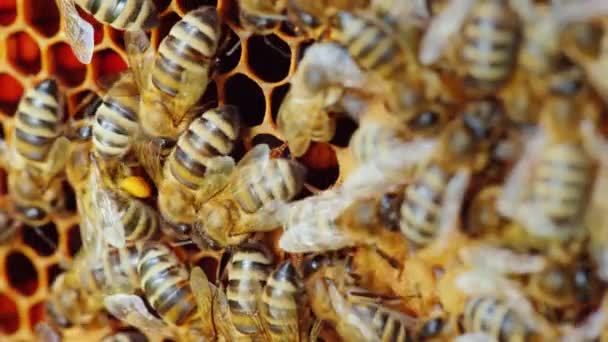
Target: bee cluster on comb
(285, 170)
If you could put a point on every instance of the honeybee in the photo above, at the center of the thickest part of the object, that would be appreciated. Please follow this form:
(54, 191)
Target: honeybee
(247, 273)
(34, 205)
(125, 336)
(316, 87)
(249, 201)
(116, 120)
(76, 295)
(261, 17)
(9, 225)
(313, 18)
(558, 167)
(199, 165)
(483, 23)
(355, 314)
(120, 14)
(186, 308)
(482, 214)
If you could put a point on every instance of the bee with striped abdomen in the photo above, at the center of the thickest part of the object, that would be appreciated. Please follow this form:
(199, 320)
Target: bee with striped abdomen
(248, 203)
(312, 19)
(199, 165)
(120, 14)
(125, 336)
(261, 17)
(479, 24)
(316, 87)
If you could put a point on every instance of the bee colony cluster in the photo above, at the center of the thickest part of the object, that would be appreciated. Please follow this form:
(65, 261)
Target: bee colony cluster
(357, 170)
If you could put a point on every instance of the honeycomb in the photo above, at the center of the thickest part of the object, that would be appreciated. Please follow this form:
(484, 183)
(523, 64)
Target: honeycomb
(254, 77)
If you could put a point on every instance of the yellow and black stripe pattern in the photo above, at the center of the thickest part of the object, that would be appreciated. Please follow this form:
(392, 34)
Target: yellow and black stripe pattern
(34, 205)
(389, 325)
(372, 45)
(116, 119)
(281, 299)
(164, 281)
(490, 38)
(123, 14)
(493, 317)
(38, 121)
(211, 135)
(247, 273)
(260, 17)
(265, 181)
(126, 336)
(139, 220)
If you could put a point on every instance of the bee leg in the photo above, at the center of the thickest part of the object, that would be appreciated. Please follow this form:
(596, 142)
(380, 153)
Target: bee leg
(315, 330)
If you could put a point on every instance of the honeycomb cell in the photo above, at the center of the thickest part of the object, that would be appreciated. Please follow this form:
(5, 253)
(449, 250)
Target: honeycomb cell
(3, 182)
(36, 314)
(231, 53)
(209, 98)
(69, 197)
(166, 23)
(209, 265)
(117, 37)
(10, 94)
(270, 57)
(43, 239)
(65, 66)
(323, 168)
(22, 275)
(106, 63)
(188, 5)
(43, 16)
(274, 143)
(244, 93)
(9, 316)
(23, 53)
(52, 272)
(161, 5)
(8, 12)
(345, 127)
(276, 98)
(74, 240)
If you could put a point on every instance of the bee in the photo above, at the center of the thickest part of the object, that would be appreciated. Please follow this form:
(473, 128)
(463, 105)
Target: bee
(558, 166)
(34, 205)
(120, 14)
(316, 87)
(198, 165)
(249, 201)
(482, 215)
(9, 225)
(247, 273)
(261, 17)
(283, 304)
(172, 82)
(116, 121)
(493, 24)
(313, 19)
(356, 314)
(76, 295)
(125, 336)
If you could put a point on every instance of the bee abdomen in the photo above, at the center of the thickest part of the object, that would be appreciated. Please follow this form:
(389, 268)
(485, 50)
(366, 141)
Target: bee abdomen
(490, 44)
(139, 220)
(114, 127)
(279, 179)
(165, 283)
(209, 136)
(123, 14)
(280, 300)
(38, 121)
(493, 317)
(247, 274)
(373, 47)
(562, 181)
(421, 207)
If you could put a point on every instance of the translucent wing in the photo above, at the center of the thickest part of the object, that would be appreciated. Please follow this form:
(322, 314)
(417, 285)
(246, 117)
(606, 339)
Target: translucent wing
(187, 95)
(57, 158)
(502, 260)
(452, 202)
(109, 214)
(442, 27)
(349, 317)
(140, 55)
(217, 177)
(204, 295)
(46, 333)
(579, 11)
(78, 31)
(132, 310)
(474, 337)
(149, 152)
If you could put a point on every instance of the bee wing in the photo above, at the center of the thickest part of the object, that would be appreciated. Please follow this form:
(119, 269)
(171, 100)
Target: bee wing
(187, 95)
(140, 54)
(296, 128)
(45, 333)
(345, 311)
(109, 216)
(149, 153)
(474, 337)
(257, 154)
(202, 291)
(452, 202)
(502, 260)
(132, 310)
(77, 30)
(580, 11)
(442, 27)
(57, 158)
(217, 177)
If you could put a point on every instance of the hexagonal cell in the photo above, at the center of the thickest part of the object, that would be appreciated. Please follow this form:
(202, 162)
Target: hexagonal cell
(209, 265)
(69, 197)
(323, 168)
(23, 53)
(43, 239)
(66, 66)
(166, 23)
(276, 98)
(345, 127)
(188, 5)
(22, 275)
(106, 63)
(8, 12)
(269, 57)
(43, 16)
(10, 94)
(117, 37)
(244, 93)
(9, 315)
(36, 314)
(230, 55)
(74, 240)
(161, 5)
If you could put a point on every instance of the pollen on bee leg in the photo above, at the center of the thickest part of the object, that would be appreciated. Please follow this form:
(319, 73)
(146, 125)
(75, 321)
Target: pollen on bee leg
(136, 186)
